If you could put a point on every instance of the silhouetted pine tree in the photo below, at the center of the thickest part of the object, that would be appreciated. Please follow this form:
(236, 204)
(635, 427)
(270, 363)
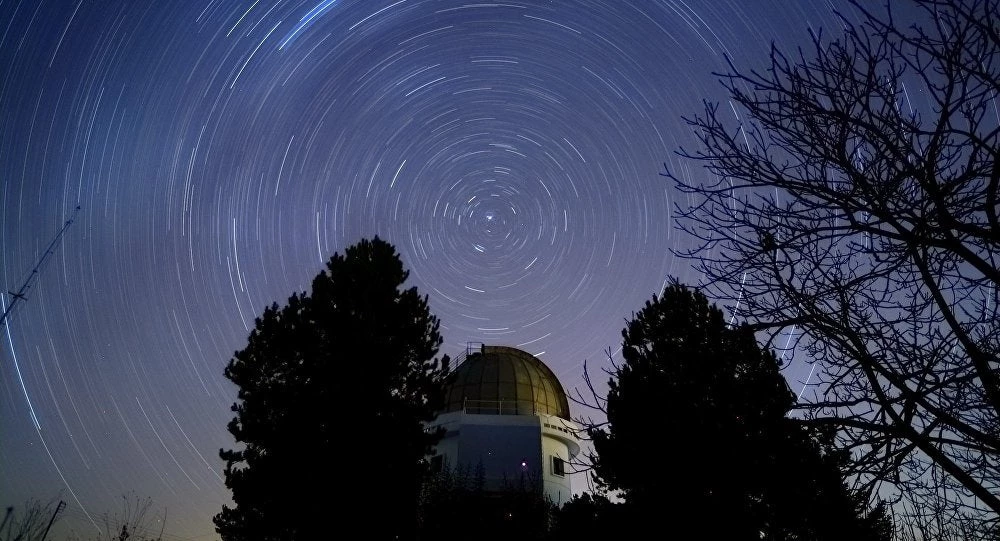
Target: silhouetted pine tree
(590, 516)
(698, 440)
(333, 390)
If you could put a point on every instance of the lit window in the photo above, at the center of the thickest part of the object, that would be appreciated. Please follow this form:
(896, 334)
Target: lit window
(558, 466)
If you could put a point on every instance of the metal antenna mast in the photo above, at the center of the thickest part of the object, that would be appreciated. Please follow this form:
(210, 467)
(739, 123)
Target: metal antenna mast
(20, 295)
(60, 507)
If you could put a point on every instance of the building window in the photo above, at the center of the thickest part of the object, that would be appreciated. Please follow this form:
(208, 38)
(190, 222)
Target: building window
(558, 466)
(437, 463)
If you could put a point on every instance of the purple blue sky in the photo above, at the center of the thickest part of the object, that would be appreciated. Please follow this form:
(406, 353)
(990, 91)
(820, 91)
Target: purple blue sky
(221, 151)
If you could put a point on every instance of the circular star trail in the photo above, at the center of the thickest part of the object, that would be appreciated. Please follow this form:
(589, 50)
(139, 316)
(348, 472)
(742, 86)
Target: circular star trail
(222, 151)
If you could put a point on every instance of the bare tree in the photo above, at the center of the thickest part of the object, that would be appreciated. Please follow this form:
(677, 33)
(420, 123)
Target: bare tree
(31, 523)
(864, 228)
(133, 521)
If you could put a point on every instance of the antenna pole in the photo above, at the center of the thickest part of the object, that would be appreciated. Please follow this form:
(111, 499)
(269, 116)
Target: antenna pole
(20, 295)
(54, 515)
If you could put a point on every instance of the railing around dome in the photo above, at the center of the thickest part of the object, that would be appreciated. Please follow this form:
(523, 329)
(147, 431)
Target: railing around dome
(499, 407)
(471, 348)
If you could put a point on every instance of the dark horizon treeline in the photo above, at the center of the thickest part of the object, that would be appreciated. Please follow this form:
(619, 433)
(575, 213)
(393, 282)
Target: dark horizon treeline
(135, 520)
(336, 387)
(697, 438)
(335, 390)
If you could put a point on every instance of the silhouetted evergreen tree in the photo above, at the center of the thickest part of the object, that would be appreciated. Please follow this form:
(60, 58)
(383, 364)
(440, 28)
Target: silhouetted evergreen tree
(449, 502)
(589, 516)
(698, 440)
(334, 389)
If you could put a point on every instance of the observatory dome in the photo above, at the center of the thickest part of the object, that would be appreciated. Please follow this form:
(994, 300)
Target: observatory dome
(506, 381)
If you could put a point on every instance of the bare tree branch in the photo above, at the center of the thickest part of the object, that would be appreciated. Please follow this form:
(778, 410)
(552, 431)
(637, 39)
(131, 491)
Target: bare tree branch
(869, 222)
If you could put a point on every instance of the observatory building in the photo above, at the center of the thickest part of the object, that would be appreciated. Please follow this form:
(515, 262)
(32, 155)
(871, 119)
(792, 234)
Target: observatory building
(506, 417)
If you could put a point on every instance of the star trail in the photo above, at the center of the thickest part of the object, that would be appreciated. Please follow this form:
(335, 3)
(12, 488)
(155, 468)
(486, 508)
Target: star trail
(222, 151)
(306, 21)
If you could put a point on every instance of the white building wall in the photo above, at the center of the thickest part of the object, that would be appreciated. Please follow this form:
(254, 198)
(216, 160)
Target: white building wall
(559, 440)
(502, 442)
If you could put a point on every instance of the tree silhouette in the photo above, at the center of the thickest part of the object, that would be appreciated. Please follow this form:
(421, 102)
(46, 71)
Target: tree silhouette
(334, 389)
(697, 437)
(31, 522)
(866, 227)
(133, 522)
(589, 516)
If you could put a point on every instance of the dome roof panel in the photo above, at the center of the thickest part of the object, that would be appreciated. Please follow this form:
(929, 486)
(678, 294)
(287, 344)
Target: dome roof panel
(501, 379)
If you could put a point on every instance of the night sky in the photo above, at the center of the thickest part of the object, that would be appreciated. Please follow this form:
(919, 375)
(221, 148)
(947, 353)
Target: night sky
(222, 151)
